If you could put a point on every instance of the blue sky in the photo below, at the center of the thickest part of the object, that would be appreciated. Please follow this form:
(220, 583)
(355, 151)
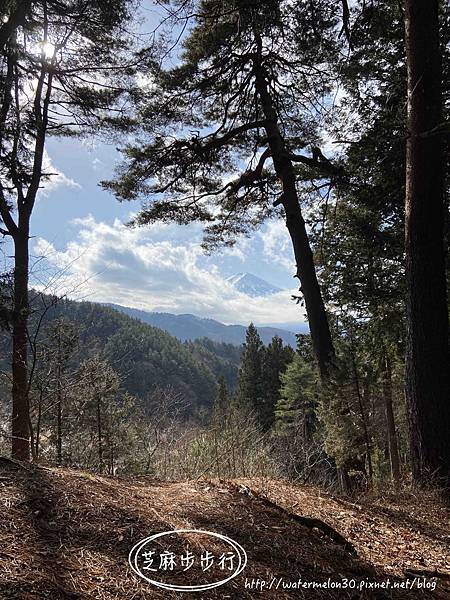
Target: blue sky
(91, 254)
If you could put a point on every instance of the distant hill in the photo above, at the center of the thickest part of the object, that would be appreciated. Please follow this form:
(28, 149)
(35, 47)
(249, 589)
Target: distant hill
(189, 327)
(252, 285)
(144, 356)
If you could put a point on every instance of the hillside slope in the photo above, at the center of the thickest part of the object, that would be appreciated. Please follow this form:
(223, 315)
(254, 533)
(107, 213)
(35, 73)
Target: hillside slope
(144, 356)
(66, 535)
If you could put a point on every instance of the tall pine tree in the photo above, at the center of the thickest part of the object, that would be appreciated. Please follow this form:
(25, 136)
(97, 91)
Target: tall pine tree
(248, 88)
(250, 392)
(276, 358)
(427, 355)
(296, 407)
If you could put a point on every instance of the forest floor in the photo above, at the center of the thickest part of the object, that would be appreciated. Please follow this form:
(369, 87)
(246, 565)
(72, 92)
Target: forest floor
(66, 534)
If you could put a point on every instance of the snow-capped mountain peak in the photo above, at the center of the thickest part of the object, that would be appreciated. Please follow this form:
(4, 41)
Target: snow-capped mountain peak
(252, 285)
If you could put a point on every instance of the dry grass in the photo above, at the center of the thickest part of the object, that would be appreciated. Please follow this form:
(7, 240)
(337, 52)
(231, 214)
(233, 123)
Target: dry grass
(66, 534)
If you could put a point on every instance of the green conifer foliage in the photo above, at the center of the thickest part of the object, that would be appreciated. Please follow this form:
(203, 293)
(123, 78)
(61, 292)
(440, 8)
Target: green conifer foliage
(250, 392)
(275, 361)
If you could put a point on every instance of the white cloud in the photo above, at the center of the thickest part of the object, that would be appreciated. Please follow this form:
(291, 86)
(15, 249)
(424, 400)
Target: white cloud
(277, 247)
(145, 82)
(160, 268)
(97, 164)
(56, 178)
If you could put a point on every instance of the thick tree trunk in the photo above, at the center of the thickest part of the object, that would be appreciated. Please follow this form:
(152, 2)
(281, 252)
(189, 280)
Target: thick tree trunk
(315, 308)
(20, 428)
(390, 420)
(427, 358)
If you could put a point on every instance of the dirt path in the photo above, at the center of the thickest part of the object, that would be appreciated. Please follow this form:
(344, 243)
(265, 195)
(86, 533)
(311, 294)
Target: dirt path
(66, 534)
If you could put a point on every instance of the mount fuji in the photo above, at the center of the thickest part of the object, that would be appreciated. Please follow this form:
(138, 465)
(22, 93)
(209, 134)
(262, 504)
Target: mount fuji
(252, 285)
(191, 327)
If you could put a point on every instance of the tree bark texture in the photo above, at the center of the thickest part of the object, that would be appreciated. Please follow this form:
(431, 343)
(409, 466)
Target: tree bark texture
(427, 356)
(20, 429)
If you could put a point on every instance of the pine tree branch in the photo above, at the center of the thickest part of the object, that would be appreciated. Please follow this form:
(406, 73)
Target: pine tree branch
(322, 164)
(229, 135)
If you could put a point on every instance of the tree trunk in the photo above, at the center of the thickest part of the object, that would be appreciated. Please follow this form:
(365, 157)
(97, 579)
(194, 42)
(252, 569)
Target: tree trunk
(362, 412)
(20, 428)
(100, 436)
(59, 405)
(315, 308)
(390, 420)
(427, 356)
(38, 427)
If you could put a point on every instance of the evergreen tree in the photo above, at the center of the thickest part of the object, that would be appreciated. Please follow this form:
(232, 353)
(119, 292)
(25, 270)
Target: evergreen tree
(359, 236)
(98, 387)
(52, 380)
(276, 358)
(298, 432)
(296, 407)
(250, 83)
(221, 406)
(250, 393)
(223, 398)
(427, 350)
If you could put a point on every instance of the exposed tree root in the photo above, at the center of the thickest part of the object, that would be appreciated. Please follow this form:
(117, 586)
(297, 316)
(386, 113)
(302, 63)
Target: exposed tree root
(310, 522)
(412, 573)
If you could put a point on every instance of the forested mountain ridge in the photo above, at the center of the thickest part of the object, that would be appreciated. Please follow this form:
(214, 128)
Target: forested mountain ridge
(143, 356)
(190, 327)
